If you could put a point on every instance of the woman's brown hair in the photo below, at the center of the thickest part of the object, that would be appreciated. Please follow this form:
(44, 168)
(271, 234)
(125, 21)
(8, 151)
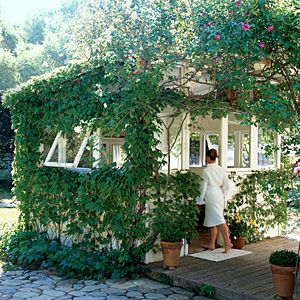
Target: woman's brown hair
(212, 154)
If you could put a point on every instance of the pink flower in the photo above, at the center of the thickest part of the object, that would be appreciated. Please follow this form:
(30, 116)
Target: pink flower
(261, 44)
(217, 36)
(270, 28)
(245, 26)
(210, 23)
(238, 3)
(249, 14)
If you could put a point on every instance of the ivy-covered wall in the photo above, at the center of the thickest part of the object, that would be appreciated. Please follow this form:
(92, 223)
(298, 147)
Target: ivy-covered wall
(109, 203)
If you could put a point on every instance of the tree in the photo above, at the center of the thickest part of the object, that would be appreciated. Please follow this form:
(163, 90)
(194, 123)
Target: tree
(34, 29)
(9, 37)
(8, 70)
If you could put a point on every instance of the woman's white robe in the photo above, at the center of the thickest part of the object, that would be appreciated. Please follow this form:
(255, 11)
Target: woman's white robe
(214, 187)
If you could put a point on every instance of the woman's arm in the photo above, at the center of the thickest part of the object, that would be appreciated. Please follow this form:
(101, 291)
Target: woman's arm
(226, 186)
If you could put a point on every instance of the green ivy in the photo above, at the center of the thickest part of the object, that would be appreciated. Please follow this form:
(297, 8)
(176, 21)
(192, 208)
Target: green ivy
(261, 201)
(119, 89)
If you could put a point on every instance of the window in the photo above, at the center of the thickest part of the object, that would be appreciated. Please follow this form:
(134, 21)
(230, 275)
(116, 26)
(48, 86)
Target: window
(199, 145)
(230, 151)
(68, 150)
(112, 151)
(265, 155)
(238, 153)
(171, 140)
(245, 150)
(195, 159)
(81, 150)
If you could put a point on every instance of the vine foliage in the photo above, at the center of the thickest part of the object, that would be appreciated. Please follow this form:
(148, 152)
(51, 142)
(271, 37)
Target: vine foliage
(122, 88)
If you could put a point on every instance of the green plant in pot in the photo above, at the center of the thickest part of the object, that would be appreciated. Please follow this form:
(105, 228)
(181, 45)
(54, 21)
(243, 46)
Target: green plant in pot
(238, 231)
(283, 266)
(175, 214)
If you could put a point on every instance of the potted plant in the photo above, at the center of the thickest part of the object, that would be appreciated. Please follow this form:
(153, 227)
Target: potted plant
(283, 267)
(238, 231)
(175, 214)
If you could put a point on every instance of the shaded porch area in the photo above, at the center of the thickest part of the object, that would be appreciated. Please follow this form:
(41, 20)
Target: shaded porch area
(247, 277)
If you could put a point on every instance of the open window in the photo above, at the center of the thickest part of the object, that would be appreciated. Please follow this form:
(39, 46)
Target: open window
(199, 145)
(82, 150)
(70, 150)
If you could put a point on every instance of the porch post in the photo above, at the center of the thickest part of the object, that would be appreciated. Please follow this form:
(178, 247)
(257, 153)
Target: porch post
(253, 146)
(223, 142)
(185, 157)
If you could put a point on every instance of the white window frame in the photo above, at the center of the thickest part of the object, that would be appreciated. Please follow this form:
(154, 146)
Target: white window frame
(60, 141)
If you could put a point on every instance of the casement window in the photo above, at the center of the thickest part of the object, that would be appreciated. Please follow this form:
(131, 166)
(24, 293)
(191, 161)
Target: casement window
(199, 145)
(238, 143)
(80, 150)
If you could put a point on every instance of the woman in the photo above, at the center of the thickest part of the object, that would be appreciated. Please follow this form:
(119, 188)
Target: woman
(214, 188)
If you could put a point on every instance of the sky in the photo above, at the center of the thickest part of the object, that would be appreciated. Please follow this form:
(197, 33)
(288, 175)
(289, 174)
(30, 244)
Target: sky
(15, 11)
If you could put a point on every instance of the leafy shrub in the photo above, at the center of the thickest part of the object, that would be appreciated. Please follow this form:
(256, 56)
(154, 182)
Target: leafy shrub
(237, 227)
(260, 214)
(28, 249)
(175, 215)
(284, 258)
(205, 290)
(35, 250)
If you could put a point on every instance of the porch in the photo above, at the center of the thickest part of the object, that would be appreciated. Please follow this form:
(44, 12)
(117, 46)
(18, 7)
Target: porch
(247, 277)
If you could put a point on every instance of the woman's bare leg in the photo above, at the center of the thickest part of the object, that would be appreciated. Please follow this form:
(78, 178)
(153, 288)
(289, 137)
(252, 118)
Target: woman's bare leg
(213, 231)
(225, 234)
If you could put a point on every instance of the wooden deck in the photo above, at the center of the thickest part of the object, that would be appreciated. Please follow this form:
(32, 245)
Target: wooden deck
(242, 278)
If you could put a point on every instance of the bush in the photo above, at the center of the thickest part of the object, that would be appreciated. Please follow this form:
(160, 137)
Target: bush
(175, 215)
(35, 250)
(284, 258)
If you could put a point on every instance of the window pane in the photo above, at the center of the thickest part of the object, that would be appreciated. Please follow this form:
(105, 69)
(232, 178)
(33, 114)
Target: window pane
(265, 138)
(118, 155)
(195, 149)
(211, 141)
(230, 151)
(238, 155)
(246, 150)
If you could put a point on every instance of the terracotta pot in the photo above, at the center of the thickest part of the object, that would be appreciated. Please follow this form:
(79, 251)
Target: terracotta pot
(284, 280)
(171, 253)
(238, 242)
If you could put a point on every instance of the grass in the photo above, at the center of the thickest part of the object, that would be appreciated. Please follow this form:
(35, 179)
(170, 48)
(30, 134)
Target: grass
(9, 215)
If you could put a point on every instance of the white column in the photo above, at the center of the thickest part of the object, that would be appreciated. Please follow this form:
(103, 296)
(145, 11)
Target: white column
(223, 142)
(253, 146)
(185, 157)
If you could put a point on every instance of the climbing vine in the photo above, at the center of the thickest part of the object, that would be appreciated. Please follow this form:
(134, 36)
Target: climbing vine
(123, 86)
(261, 201)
